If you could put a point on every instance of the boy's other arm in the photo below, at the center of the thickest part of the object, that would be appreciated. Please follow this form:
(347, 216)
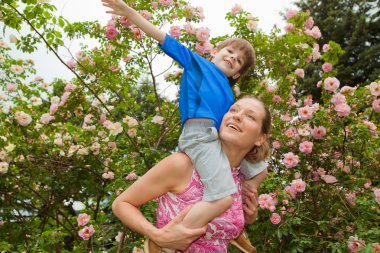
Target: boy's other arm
(119, 7)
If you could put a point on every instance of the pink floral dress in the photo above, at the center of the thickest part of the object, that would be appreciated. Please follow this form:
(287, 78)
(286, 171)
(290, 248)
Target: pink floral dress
(220, 230)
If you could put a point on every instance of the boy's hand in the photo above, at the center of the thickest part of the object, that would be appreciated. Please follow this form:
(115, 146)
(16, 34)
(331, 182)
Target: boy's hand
(118, 7)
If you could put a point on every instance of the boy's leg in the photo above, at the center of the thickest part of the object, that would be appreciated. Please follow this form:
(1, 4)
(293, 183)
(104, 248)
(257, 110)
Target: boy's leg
(200, 141)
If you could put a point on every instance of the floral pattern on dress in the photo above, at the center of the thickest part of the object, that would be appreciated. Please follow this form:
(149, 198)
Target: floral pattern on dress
(220, 230)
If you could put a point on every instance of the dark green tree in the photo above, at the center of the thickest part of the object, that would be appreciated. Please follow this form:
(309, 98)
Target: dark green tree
(355, 25)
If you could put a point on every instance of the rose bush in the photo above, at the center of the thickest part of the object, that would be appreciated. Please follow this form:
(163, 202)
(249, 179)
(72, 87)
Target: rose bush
(69, 147)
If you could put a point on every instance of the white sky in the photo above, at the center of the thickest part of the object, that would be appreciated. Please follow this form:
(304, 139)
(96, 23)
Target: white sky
(49, 67)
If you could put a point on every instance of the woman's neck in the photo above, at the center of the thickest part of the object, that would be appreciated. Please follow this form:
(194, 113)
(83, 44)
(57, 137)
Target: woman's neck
(234, 154)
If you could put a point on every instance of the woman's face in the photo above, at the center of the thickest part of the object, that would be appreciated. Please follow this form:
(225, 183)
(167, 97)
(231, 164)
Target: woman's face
(241, 125)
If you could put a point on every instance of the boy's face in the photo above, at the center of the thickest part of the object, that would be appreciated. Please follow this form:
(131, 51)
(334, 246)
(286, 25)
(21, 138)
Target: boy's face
(229, 60)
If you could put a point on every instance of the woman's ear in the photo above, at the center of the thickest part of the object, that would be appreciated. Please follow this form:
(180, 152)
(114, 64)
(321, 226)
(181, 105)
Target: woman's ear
(261, 139)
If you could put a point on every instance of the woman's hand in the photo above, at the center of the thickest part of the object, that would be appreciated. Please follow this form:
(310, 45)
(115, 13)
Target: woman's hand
(250, 203)
(175, 235)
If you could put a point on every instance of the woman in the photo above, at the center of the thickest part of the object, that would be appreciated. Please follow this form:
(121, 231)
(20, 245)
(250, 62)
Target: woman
(244, 129)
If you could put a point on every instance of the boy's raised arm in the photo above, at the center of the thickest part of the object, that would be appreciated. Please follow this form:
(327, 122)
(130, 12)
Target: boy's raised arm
(119, 7)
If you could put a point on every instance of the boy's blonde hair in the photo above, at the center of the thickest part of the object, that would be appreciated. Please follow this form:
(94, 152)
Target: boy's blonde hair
(246, 48)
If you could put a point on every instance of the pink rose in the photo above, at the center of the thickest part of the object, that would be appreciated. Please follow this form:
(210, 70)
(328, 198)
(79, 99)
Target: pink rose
(46, 118)
(202, 34)
(276, 145)
(11, 87)
(329, 179)
(342, 109)
(275, 218)
(318, 132)
(306, 147)
(314, 32)
(289, 27)
(189, 29)
(158, 120)
(70, 87)
(236, 9)
(86, 232)
(325, 47)
(111, 32)
(305, 112)
(83, 219)
(71, 63)
(290, 160)
(308, 101)
(291, 191)
(203, 47)
(376, 105)
(298, 185)
(166, 2)
(309, 23)
(23, 118)
(276, 99)
(137, 33)
(300, 72)
(338, 98)
(290, 13)
(175, 31)
(331, 84)
(327, 67)
(375, 89)
(131, 176)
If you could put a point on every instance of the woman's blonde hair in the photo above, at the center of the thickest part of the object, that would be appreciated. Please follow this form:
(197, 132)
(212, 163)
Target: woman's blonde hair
(261, 152)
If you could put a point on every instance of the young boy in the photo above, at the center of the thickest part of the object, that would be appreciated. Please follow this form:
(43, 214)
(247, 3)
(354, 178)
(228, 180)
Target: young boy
(205, 96)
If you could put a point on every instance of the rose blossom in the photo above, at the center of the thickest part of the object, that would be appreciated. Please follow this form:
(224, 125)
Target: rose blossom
(111, 32)
(146, 14)
(252, 25)
(132, 132)
(202, 34)
(275, 218)
(298, 185)
(300, 72)
(131, 122)
(290, 13)
(86, 232)
(23, 118)
(376, 105)
(175, 31)
(83, 219)
(318, 132)
(11, 86)
(276, 145)
(291, 191)
(131, 176)
(276, 99)
(375, 89)
(331, 84)
(377, 195)
(166, 2)
(158, 120)
(306, 147)
(290, 160)
(46, 118)
(305, 112)
(16, 69)
(236, 9)
(309, 23)
(329, 179)
(354, 243)
(342, 109)
(327, 67)
(338, 98)
(289, 27)
(325, 47)
(4, 167)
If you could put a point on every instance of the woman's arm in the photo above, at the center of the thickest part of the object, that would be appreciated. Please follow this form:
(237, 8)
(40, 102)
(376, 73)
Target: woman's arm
(119, 7)
(171, 174)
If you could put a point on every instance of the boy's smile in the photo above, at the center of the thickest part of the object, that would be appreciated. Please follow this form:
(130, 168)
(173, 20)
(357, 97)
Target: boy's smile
(229, 60)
